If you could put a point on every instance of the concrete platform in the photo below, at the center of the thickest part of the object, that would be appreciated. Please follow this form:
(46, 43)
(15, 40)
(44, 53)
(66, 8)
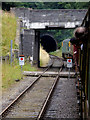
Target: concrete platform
(48, 74)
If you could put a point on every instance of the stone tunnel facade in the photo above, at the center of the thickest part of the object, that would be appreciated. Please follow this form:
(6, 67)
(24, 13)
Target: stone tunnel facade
(33, 20)
(29, 44)
(48, 43)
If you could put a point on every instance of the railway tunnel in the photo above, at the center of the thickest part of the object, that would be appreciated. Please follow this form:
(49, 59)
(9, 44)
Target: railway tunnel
(35, 20)
(48, 42)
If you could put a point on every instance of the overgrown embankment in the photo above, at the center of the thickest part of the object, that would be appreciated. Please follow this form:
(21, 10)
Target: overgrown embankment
(9, 24)
(10, 72)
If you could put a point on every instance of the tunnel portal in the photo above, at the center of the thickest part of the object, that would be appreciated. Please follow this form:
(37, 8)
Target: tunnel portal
(48, 43)
(34, 20)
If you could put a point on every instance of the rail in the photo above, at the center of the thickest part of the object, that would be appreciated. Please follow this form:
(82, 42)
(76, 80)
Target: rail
(41, 113)
(4, 112)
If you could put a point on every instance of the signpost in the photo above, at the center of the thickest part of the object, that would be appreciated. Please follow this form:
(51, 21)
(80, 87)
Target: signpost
(69, 65)
(21, 61)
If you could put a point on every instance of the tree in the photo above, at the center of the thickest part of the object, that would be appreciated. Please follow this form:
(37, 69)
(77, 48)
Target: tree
(47, 5)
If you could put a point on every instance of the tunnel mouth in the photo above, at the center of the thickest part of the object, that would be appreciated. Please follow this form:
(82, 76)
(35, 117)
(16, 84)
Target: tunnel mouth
(48, 42)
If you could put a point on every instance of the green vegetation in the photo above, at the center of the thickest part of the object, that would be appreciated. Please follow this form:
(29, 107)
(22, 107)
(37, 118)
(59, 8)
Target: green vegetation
(10, 72)
(47, 5)
(57, 53)
(28, 67)
(9, 25)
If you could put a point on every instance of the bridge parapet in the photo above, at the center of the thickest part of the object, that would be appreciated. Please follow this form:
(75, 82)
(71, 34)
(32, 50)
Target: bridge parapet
(40, 19)
(32, 19)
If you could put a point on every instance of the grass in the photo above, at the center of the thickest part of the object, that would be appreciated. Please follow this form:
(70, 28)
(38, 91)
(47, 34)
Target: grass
(12, 72)
(9, 25)
(28, 67)
(57, 53)
(9, 74)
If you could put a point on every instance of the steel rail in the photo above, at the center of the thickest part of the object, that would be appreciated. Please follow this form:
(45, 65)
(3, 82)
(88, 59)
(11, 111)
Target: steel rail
(56, 57)
(41, 113)
(3, 113)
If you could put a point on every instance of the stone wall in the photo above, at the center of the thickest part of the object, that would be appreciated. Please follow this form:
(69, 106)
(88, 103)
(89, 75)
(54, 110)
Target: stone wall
(26, 42)
(36, 19)
(32, 20)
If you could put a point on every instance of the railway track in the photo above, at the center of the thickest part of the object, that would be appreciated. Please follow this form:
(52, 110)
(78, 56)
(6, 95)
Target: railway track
(55, 57)
(58, 62)
(2, 114)
(41, 113)
(10, 107)
(36, 101)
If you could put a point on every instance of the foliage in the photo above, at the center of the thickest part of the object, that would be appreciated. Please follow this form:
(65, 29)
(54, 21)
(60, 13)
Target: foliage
(57, 53)
(47, 5)
(9, 25)
(28, 67)
(9, 74)
(12, 72)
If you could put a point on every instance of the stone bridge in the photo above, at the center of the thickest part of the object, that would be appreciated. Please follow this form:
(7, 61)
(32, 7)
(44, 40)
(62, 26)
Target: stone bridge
(34, 20)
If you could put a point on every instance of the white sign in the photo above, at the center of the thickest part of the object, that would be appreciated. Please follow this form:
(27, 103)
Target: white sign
(21, 60)
(69, 63)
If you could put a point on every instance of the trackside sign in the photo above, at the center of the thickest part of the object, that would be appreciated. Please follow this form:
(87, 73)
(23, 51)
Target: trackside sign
(69, 63)
(21, 60)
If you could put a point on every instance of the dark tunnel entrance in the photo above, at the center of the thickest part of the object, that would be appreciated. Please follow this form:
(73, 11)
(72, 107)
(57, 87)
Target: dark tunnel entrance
(48, 43)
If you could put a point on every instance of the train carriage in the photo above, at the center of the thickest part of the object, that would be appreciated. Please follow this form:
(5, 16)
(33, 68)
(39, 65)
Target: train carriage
(84, 63)
(83, 66)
